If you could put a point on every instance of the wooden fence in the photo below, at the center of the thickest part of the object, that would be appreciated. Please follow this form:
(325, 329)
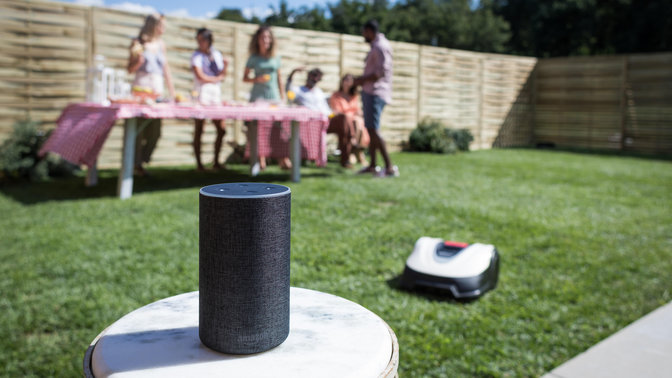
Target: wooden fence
(617, 103)
(46, 47)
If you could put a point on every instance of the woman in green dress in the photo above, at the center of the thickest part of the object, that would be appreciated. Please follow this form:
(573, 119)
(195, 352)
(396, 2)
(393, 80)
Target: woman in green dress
(265, 66)
(263, 70)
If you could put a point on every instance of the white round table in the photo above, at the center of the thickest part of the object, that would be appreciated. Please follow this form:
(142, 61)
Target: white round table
(329, 337)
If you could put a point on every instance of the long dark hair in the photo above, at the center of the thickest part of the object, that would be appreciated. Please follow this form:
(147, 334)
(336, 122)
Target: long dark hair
(254, 42)
(353, 89)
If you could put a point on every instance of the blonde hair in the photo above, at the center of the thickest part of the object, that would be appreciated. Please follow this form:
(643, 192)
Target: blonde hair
(149, 28)
(254, 42)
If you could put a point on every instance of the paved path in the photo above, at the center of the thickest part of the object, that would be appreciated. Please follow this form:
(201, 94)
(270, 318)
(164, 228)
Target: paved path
(642, 349)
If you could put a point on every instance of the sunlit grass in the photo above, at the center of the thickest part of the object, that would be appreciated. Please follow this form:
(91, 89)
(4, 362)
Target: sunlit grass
(585, 242)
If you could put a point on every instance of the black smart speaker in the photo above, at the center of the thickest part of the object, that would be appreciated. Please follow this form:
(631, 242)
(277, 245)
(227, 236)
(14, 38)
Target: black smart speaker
(244, 250)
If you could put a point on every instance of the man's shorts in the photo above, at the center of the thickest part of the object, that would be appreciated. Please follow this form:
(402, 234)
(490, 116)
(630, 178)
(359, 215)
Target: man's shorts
(373, 108)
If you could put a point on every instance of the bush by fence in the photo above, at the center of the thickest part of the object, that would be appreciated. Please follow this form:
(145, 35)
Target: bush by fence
(18, 155)
(433, 136)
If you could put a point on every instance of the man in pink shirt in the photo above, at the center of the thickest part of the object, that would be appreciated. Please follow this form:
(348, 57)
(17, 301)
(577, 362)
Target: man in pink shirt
(376, 85)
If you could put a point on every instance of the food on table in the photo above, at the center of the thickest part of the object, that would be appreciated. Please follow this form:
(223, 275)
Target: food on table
(124, 101)
(139, 89)
(145, 95)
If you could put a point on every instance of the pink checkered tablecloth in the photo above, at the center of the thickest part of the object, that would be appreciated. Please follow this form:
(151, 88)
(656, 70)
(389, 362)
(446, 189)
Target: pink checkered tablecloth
(82, 128)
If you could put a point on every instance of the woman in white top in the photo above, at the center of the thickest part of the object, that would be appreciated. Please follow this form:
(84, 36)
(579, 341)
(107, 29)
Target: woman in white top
(209, 69)
(148, 61)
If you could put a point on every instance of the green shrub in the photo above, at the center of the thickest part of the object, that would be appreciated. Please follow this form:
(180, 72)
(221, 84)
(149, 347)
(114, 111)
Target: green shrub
(433, 136)
(462, 138)
(19, 155)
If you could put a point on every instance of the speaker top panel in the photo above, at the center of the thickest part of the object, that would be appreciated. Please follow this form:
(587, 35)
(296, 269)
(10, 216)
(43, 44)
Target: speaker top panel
(241, 190)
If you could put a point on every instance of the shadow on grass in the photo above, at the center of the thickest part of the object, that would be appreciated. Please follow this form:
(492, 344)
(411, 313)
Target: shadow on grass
(429, 293)
(597, 152)
(159, 179)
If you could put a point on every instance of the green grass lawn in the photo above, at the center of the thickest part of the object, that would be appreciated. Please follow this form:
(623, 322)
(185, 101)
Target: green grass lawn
(585, 244)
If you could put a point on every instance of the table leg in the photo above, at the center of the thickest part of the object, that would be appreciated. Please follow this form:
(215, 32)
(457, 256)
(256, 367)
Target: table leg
(125, 181)
(254, 147)
(92, 174)
(295, 152)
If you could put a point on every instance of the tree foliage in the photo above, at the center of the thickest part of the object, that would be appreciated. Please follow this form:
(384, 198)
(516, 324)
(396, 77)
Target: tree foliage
(453, 24)
(447, 23)
(235, 15)
(523, 27)
(586, 27)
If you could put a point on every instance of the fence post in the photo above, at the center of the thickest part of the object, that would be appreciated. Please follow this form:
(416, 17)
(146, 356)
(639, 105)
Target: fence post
(533, 104)
(481, 95)
(623, 102)
(29, 84)
(418, 101)
(341, 52)
(90, 45)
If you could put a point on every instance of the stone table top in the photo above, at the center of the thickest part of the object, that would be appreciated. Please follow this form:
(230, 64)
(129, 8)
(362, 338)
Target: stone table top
(329, 337)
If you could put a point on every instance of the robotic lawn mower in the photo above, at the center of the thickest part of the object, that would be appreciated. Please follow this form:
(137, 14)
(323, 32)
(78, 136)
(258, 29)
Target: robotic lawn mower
(466, 270)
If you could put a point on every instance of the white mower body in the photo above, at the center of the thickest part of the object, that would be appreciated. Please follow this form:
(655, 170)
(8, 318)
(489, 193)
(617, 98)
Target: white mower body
(467, 270)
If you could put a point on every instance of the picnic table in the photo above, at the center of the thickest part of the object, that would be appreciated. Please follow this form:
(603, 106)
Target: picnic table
(273, 131)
